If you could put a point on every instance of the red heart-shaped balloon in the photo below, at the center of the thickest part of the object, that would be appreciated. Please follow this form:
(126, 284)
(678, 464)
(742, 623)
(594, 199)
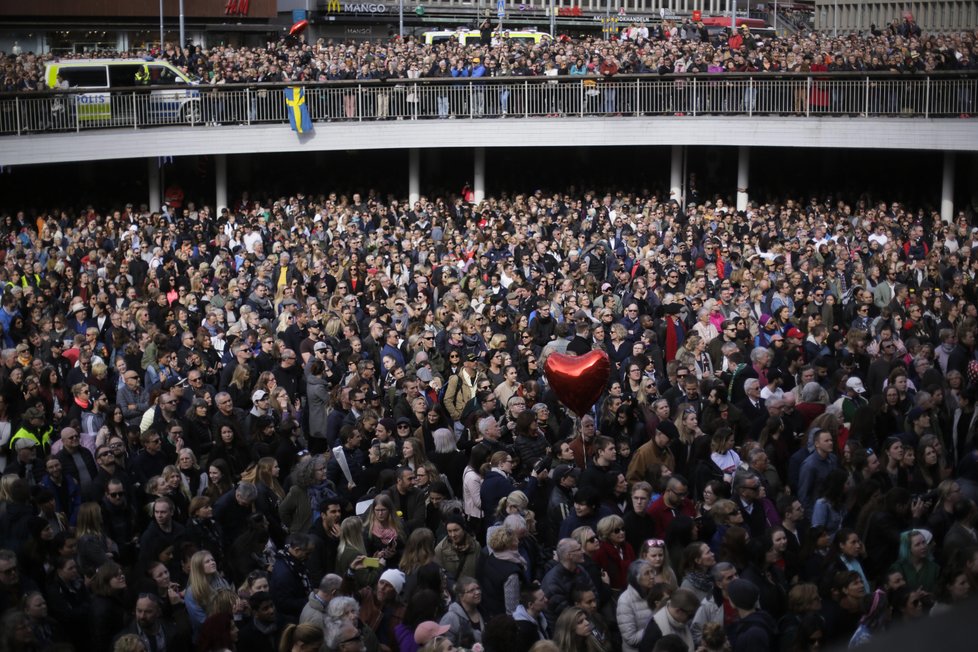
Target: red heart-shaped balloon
(578, 380)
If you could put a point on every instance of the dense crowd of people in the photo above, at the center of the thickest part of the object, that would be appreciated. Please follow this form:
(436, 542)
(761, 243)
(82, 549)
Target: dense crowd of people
(322, 422)
(663, 49)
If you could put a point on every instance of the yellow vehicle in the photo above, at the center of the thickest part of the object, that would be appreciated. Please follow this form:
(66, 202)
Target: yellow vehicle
(174, 95)
(471, 36)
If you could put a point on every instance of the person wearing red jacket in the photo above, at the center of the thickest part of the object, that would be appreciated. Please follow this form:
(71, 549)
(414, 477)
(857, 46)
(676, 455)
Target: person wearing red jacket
(673, 502)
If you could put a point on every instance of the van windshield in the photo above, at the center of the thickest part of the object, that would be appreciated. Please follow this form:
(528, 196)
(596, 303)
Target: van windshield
(164, 77)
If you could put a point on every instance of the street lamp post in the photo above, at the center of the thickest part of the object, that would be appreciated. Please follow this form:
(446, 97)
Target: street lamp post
(183, 39)
(400, 19)
(161, 26)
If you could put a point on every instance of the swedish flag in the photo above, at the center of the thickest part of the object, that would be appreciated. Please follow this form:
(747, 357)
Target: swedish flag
(295, 100)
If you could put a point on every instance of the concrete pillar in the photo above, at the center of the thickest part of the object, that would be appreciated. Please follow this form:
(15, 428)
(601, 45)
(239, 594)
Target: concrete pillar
(220, 182)
(155, 197)
(743, 176)
(414, 175)
(947, 188)
(676, 174)
(479, 176)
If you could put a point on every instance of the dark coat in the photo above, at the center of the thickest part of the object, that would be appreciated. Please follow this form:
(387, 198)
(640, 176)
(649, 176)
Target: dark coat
(289, 588)
(756, 632)
(108, 619)
(494, 488)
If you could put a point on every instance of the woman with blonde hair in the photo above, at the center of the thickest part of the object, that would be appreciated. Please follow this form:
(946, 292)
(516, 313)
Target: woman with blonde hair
(283, 406)
(504, 567)
(590, 543)
(240, 387)
(725, 513)
(264, 473)
(129, 643)
(352, 546)
(418, 562)
(383, 530)
(656, 553)
(94, 546)
(171, 486)
(193, 480)
(614, 554)
(305, 637)
(683, 447)
(572, 632)
(204, 583)
(515, 503)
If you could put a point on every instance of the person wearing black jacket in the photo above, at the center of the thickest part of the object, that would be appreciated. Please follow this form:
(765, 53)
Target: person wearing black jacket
(119, 518)
(409, 501)
(602, 475)
(202, 530)
(71, 454)
(325, 533)
(261, 632)
(161, 533)
(69, 600)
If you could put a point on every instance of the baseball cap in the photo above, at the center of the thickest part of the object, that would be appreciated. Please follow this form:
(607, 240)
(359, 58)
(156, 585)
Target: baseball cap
(563, 470)
(856, 385)
(795, 333)
(424, 375)
(320, 346)
(429, 629)
(258, 395)
(915, 414)
(24, 442)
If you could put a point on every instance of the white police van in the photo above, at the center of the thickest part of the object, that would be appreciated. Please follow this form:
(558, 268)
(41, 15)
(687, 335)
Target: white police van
(173, 96)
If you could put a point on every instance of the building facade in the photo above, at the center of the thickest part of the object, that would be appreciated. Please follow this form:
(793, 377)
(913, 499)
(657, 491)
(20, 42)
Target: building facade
(931, 15)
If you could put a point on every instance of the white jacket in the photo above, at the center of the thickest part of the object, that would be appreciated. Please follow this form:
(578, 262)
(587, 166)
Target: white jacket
(633, 615)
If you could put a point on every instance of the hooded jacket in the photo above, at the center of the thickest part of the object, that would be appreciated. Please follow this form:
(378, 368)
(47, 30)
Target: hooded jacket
(755, 632)
(462, 634)
(530, 629)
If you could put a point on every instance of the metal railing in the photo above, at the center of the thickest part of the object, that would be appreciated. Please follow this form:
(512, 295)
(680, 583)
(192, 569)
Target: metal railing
(803, 96)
